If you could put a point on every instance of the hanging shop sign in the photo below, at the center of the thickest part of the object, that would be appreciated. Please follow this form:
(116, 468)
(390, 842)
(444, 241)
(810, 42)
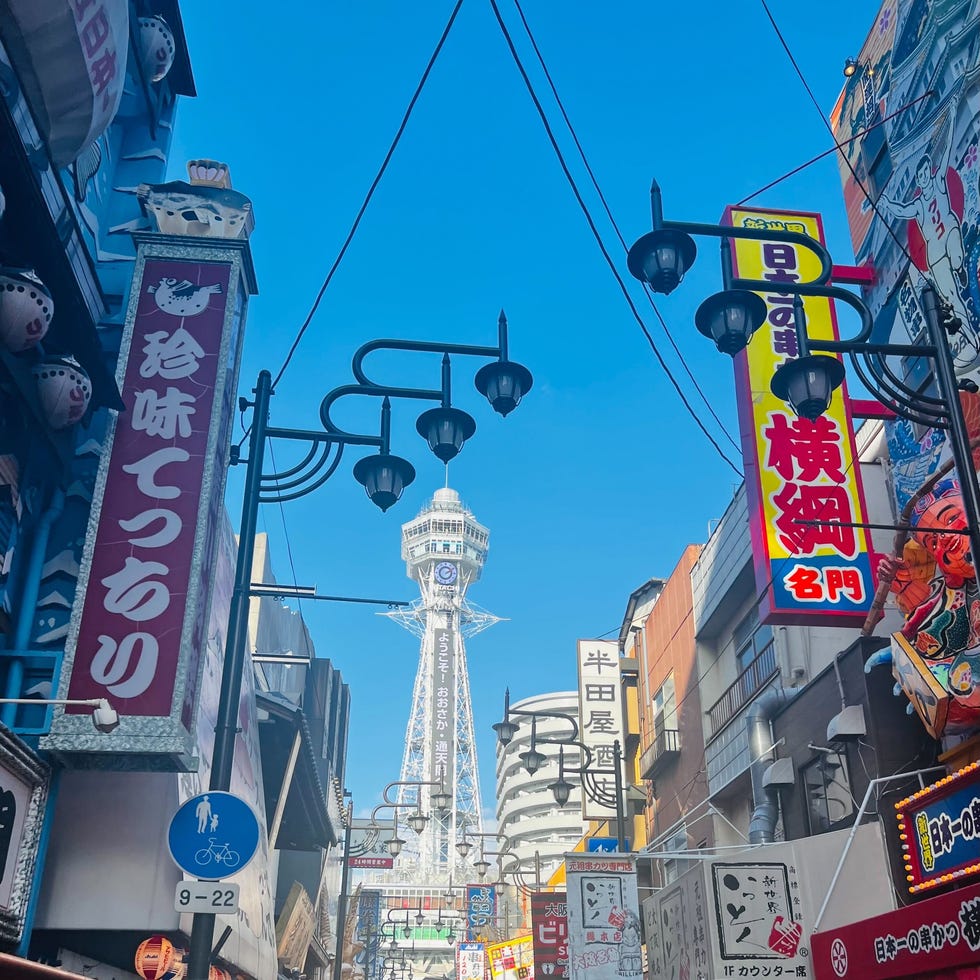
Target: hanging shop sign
(512, 960)
(924, 938)
(369, 844)
(603, 918)
(939, 829)
(481, 912)
(600, 711)
(812, 564)
(549, 927)
(471, 960)
(137, 636)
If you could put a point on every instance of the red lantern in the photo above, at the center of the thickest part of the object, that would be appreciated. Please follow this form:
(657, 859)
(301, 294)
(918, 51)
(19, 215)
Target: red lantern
(216, 973)
(64, 390)
(154, 957)
(26, 309)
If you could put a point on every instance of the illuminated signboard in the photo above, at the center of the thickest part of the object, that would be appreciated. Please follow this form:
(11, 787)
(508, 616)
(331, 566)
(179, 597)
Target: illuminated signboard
(940, 827)
(802, 478)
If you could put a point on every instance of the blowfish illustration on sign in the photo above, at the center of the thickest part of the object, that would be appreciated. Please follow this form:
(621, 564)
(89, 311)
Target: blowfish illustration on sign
(182, 298)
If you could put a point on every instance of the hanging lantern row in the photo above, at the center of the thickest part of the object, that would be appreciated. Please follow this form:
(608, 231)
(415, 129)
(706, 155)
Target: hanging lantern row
(26, 309)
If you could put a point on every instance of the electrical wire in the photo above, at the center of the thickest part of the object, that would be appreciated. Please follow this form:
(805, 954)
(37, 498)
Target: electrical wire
(598, 237)
(602, 198)
(285, 532)
(370, 194)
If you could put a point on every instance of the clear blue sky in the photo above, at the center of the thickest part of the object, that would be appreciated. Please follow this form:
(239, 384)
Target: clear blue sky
(600, 478)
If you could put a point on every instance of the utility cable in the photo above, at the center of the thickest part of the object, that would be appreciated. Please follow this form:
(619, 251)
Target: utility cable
(367, 200)
(602, 198)
(285, 532)
(602, 248)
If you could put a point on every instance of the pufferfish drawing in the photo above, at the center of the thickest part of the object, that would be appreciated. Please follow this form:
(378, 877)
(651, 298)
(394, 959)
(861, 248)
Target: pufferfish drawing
(182, 298)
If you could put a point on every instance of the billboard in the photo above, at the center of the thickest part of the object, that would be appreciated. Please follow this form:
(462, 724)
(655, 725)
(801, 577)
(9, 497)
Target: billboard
(481, 912)
(802, 478)
(600, 712)
(512, 959)
(139, 624)
(603, 917)
(549, 928)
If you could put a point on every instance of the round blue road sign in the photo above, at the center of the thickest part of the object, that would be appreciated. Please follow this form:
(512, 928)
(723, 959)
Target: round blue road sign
(213, 835)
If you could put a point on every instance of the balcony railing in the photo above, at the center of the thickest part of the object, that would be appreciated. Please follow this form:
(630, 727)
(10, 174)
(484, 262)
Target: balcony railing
(666, 746)
(758, 673)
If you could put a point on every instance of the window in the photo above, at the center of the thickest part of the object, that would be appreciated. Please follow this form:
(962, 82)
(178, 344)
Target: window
(751, 639)
(673, 868)
(827, 793)
(665, 707)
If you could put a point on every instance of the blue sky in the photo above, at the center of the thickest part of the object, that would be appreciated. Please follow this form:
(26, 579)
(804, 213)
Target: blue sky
(600, 478)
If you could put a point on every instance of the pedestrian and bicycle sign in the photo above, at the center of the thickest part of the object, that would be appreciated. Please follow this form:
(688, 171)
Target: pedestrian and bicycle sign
(213, 835)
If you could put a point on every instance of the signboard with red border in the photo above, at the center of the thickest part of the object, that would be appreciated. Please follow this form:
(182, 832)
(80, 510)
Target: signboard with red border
(812, 564)
(939, 829)
(549, 925)
(924, 938)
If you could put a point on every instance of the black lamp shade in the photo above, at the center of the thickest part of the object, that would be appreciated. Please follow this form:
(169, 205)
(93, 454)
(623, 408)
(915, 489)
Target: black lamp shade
(395, 845)
(532, 760)
(384, 477)
(417, 822)
(661, 258)
(504, 384)
(506, 730)
(850, 67)
(482, 867)
(730, 318)
(441, 800)
(445, 429)
(463, 847)
(808, 384)
(450, 937)
(561, 789)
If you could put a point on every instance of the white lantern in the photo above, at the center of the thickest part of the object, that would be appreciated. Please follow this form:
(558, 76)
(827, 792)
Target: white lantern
(64, 390)
(26, 309)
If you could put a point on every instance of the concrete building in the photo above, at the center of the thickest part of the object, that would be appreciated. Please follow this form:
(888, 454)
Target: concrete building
(537, 830)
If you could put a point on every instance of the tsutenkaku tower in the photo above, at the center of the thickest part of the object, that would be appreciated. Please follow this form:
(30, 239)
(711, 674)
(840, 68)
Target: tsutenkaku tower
(444, 550)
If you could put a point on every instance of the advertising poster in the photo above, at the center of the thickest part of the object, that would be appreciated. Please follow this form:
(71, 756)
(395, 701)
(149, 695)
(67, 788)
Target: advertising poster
(471, 961)
(512, 960)
(481, 912)
(549, 928)
(604, 933)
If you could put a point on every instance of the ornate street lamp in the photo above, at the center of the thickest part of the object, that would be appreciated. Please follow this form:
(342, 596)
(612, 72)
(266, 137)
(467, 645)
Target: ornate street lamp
(807, 382)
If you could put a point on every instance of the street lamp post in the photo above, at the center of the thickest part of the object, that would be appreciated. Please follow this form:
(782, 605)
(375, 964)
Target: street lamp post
(807, 382)
(532, 760)
(384, 477)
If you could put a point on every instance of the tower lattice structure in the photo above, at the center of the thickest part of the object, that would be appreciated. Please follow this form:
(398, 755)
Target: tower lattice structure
(444, 549)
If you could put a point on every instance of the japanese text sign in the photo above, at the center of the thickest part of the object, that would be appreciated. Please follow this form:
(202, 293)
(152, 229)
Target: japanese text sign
(940, 830)
(549, 927)
(442, 712)
(802, 478)
(139, 628)
(600, 712)
(923, 938)
(512, 960)
(603, 918)
(369, 844)
(471, 961)
(481, 911)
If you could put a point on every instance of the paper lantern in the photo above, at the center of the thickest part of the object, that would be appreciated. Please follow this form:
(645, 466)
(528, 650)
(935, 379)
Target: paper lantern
(216, 973)
(156, 47)
(155, 957)
(26, 309)
(64, 390)
(179, 969)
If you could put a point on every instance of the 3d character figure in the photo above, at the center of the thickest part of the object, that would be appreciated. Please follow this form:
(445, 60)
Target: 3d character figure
(936, 218)
(936, 586)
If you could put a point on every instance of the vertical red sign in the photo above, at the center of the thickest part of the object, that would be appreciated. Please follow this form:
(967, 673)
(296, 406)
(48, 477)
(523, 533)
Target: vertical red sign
(549, 922)
(149, 548)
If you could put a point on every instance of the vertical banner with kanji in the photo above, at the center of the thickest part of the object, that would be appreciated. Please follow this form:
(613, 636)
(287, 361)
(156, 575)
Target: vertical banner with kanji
(139, 625)
(471, 961)
(481, 912)
(812, 560)
(600, 712)
(549, 924)
(603, 918)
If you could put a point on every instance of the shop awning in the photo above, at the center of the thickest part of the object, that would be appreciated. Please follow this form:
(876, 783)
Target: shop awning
(15, 968)
(305, 825)
(71, 60)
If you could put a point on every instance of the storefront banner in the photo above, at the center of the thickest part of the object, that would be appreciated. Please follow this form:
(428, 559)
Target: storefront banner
(481, 912)
(512, 960)
(549, 925)
(942, 933)
(139, 628)
(600, 707)
(367, 963)
(940, 828)
(369, 844)
(803, 481)
(603, 918)
(471, 961)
